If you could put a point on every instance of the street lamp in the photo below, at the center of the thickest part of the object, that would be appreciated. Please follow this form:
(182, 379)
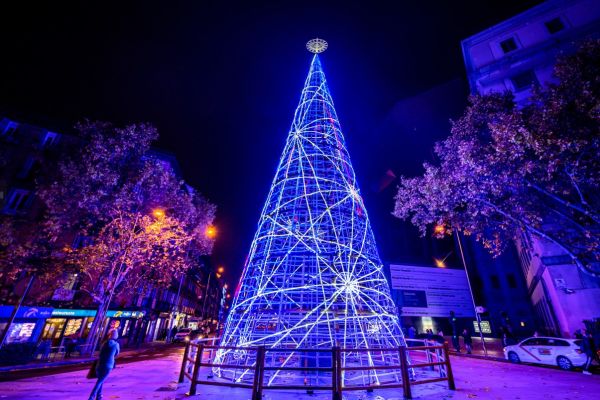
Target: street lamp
(440, 229)
(158, 213)
(211, 232)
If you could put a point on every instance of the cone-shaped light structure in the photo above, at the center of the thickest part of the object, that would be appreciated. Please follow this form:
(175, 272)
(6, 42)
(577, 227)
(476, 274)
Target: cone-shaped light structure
(313, 278)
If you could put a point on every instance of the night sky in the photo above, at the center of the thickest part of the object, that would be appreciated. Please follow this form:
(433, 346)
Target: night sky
(221, 83)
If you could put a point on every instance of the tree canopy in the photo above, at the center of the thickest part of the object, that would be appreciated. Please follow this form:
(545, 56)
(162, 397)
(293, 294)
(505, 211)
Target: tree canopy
(506, 168)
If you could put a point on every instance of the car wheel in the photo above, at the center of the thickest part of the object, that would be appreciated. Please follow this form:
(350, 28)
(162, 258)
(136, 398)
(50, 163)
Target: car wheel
(513, 357)
(564, 363)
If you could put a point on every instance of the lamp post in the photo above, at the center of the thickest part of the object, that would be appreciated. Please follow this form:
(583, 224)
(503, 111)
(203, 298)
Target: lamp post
(475, 307)
(440, 230)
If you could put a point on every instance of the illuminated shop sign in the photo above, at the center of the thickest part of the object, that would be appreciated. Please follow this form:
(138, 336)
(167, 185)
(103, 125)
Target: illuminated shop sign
(67, 312)
(26, 312)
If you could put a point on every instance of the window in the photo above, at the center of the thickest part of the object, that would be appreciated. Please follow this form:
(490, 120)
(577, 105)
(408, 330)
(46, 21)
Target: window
(18, 200)
(558, 342)
(524, 80)
(495, 281)
(543, 342)
(531, 342)
(508, 45)
(10, 129)
(554, 25)
(512, 281)
(49, 139)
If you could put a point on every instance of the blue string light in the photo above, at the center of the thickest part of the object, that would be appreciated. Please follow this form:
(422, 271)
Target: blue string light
(313, 278)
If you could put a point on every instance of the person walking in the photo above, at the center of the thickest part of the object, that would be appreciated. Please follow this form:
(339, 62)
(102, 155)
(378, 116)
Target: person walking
(587, 349)
(106, 362)
(468, 341)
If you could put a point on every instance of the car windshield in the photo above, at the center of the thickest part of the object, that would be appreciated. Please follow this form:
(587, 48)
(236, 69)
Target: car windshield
(185, 331)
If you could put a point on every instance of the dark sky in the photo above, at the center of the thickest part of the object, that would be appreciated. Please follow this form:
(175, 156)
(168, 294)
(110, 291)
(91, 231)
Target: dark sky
(221, 82)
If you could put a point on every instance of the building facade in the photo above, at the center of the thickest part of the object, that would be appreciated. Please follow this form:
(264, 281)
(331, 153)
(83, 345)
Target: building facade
(515, 55)
(55, 315)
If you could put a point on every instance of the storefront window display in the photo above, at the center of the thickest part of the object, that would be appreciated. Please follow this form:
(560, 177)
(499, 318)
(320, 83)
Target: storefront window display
(27, 324)
(20, 332)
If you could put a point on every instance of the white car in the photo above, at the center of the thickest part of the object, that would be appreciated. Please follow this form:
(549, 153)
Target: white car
(565, 353)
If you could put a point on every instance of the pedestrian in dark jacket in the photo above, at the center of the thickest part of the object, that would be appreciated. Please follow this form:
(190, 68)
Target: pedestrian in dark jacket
(106, 362)
(467, 340)
(587, 349)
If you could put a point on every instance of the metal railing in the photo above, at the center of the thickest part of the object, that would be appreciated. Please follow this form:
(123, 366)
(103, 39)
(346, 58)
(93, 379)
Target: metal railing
(434, 356)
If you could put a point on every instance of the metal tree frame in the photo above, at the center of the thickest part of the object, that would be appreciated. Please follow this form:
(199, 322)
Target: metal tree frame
(313, 278)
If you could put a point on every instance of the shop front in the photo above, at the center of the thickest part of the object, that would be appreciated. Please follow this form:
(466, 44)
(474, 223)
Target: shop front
(127, 323)
(73, 325)
(68, 324)
(27, 325)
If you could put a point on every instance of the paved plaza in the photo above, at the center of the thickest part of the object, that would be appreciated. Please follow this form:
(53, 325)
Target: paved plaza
(156, 378)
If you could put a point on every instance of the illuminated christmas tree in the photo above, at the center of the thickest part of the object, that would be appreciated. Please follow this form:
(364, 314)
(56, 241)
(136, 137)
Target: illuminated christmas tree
(313, 278)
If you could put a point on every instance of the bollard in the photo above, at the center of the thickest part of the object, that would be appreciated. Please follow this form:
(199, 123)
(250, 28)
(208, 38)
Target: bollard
(404, 371)
(197, 363)
(184, 363)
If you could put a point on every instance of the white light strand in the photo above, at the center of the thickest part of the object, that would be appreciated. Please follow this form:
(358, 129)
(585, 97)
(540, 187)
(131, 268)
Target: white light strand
(314, 278)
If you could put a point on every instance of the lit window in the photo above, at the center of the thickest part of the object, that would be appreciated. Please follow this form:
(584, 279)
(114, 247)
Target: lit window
(508, 45)
(524, 80)
(554, 25)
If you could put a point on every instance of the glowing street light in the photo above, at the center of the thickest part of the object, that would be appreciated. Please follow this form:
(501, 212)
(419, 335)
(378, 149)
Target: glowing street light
(220, 270)
(211, 232)
(158, 213)
(439, 229)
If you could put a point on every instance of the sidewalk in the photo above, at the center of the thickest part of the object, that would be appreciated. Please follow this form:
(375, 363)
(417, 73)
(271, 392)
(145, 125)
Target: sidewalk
(156, 379)
(493, 346)
(11, 372)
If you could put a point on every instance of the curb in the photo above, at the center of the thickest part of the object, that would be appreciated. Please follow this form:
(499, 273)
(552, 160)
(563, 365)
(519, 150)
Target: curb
(10, 373)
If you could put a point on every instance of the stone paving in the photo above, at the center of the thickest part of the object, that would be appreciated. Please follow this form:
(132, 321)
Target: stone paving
(156, 378)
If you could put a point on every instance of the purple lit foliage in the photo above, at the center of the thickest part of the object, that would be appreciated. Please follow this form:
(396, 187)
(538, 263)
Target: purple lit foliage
(504, 169)
(144, 225)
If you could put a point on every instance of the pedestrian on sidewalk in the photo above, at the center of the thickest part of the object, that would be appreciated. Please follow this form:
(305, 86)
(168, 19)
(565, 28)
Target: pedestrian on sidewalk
(468, 341)
(587, 349)
(70, 346)
(106, 362)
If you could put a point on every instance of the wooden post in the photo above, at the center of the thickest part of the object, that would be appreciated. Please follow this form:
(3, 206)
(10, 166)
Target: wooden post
(259, 371)
(196, 369)
(449, 374)
(404, 372)
(186, 352)
(336, 372)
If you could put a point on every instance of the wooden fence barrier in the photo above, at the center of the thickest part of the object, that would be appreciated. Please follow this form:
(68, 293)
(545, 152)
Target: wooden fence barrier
(193, 356)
